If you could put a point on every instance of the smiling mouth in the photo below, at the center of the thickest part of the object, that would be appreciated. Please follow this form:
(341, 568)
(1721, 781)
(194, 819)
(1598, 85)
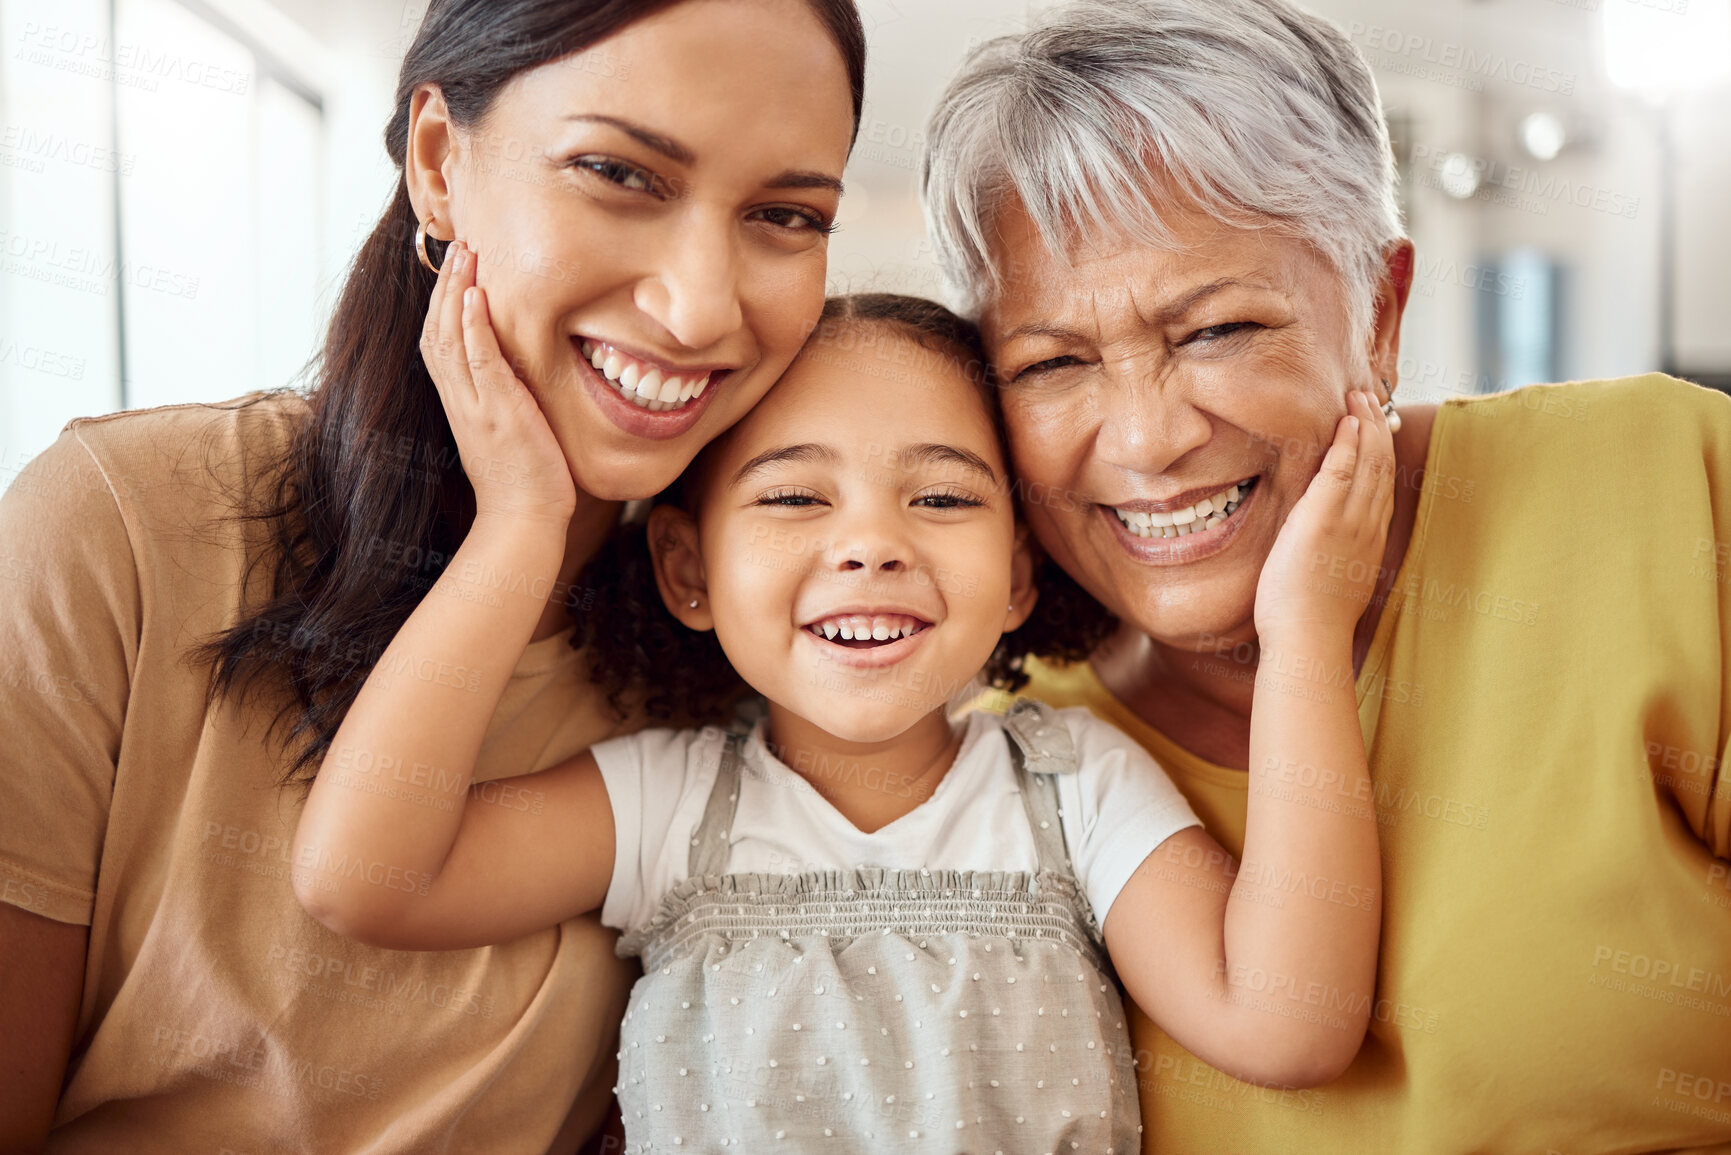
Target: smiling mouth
(1205, 515)
(867, 631)
(645, 386)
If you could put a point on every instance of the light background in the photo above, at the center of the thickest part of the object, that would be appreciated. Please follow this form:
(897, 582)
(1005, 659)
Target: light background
(183, 183)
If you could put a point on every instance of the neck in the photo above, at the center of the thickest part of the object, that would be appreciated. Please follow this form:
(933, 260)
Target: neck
(590, 526)
(870, 783)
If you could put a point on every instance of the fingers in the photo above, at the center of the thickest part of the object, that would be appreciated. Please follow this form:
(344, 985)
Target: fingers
(1372, 493)
(487, 365)
(1340, 463)
(460, 264)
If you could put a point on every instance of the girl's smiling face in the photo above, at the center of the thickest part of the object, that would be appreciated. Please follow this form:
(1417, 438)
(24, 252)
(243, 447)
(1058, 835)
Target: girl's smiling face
(855, 547)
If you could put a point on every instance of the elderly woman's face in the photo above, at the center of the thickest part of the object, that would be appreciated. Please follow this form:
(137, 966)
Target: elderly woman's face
(1139, 382)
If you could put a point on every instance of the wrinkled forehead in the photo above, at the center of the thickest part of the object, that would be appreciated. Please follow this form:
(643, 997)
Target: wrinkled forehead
(1082, 282)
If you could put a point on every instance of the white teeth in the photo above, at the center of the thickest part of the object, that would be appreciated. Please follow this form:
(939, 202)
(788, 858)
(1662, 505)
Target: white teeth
(855, 628)
(1204, 515)
(646, 387)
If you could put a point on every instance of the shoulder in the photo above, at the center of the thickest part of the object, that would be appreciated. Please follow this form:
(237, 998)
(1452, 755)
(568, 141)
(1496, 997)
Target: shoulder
(1073, 735)
(1621, 410)
(661, 750)
(177, 445)
(1617, 440)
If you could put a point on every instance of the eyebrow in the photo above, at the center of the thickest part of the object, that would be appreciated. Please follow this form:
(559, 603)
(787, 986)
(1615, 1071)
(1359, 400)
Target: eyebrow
(1176, 309)
(803, 180)
(666, 146)
(934, 454)
(807, 452)
(674, 151)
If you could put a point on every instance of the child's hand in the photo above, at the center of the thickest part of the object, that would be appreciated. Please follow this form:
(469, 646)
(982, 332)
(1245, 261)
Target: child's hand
(1325, 563)
(507, 448)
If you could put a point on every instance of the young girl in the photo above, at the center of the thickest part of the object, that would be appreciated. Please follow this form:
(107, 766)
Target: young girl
(866, 925)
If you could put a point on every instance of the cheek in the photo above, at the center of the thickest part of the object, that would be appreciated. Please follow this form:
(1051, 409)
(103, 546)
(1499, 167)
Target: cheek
(1049, 453)
(781, 298)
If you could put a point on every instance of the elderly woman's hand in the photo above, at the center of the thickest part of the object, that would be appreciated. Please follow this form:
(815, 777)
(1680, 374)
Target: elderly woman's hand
(1324, 565)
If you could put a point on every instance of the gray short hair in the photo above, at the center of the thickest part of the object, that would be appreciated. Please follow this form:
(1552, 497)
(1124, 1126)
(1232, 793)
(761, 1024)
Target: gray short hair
(1258, 111)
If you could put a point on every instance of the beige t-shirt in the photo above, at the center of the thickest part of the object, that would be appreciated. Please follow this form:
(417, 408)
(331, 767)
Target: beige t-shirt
(216, 1014)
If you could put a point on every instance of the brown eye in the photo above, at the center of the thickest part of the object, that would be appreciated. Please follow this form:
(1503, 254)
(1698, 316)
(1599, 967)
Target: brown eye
(948, 501)
(618, 172)
(797, 220)
(1220, 332)
(1047, 366)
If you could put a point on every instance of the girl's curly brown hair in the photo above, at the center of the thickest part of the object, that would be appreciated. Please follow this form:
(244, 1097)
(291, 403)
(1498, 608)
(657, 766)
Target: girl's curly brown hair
(645, 658)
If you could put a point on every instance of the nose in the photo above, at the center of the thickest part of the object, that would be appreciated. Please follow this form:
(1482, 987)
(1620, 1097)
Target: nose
(870, 545)
(1155, 420)
(693, 292)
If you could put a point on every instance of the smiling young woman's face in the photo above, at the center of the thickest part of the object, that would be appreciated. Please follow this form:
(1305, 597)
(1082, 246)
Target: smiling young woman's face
(650, 217)
(858, 540)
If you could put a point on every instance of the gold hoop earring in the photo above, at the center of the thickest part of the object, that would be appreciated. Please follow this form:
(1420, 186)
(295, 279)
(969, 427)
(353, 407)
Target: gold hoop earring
(421, 238)
(1388, 409)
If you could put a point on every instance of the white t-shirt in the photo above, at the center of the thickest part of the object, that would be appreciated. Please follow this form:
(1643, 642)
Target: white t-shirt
(1116, 809)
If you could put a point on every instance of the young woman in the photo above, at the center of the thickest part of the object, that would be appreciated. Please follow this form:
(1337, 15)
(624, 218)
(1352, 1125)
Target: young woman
(649, 178)
(866, 926)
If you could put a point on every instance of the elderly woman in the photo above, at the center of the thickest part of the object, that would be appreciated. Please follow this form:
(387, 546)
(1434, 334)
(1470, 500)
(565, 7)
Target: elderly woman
(1177, 220)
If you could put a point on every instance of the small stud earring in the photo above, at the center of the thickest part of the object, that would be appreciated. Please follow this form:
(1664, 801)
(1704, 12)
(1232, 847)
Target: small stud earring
(693, 603)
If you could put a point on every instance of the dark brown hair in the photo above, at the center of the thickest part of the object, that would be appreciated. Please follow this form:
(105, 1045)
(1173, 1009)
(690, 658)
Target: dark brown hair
(643, 656)
(369, 501)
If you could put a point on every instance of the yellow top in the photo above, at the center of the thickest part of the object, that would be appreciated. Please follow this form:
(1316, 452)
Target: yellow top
(1546, 708)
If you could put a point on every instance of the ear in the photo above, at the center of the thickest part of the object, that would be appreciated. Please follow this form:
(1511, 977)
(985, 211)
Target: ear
(1024, 561)
(675, 548)
(1392, 291)
(427, 165)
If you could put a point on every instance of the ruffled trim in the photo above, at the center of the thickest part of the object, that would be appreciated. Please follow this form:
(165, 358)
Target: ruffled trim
(848, 903)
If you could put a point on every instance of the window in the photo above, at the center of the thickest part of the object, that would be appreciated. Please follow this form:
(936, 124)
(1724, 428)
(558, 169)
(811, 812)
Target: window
(161, 179)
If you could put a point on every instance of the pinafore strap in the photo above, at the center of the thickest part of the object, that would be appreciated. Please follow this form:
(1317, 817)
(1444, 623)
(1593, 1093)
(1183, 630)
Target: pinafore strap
(709, 843)
(1040, 748)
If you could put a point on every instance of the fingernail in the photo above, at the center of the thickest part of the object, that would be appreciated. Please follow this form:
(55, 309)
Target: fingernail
(469, 298)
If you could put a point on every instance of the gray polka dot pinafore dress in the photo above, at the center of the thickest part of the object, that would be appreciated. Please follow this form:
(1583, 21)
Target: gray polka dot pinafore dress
(875, 1010)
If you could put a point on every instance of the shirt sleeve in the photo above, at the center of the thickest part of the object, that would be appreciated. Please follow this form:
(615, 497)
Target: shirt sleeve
(69, 634)
(658, 783)
(1118, 807)
(1708, 809)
